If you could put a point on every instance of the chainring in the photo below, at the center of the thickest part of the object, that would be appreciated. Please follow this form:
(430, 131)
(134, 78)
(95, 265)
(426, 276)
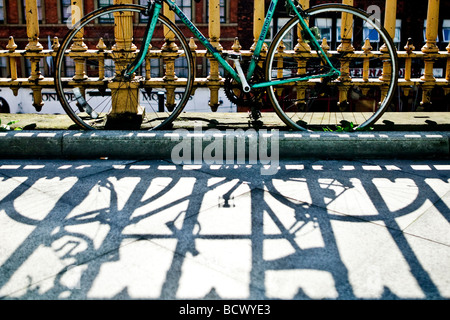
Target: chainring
(234, 92)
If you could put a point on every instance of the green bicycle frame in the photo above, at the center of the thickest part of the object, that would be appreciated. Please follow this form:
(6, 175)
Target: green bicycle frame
(218, 56)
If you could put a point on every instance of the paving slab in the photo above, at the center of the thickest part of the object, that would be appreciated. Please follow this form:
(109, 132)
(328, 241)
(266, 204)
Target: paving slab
(317, 229)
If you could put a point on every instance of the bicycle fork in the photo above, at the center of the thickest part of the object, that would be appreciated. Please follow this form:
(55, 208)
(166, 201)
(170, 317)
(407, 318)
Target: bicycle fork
(153, 10)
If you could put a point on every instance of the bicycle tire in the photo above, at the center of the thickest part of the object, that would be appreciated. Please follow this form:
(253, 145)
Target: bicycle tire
(317, 104)
(88, 96)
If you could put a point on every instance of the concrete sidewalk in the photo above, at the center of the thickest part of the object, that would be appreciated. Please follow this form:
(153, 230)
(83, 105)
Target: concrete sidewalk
(122, 229)
(396, 135)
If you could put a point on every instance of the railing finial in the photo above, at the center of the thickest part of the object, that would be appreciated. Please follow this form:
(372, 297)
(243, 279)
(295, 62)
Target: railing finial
(409, 48)
(367, 46)
(192, 45)
(12, 46)
(101, 46)
(236, 45)
(55, 44)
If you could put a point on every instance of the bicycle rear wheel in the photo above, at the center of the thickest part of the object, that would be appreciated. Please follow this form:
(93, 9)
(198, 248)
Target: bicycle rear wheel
(358, 46)
(89, 80)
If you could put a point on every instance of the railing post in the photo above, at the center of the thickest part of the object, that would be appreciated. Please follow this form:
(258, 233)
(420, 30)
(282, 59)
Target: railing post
(390, 16)
(169, 36)
(345, 46)
(447, 71)
(302, 46)
(12, 46)
(101, 47)
(78, 42)
(214, 38)
(346, 25)
(430, 47)
(126, 111)
(123, 30)
(259, 13)
(77, 14)
(32, 21)
(447, 74)
(409, 48)
(367, 48)
(346, 43)
(169, 46)
(432, 27)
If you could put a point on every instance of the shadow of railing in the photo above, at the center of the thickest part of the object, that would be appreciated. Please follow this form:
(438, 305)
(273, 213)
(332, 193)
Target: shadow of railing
(154, 230)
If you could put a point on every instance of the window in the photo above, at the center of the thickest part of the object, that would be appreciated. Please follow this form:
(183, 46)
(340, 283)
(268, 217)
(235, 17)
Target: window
(155, 67)
(446, 31)
(398, 30)
(369, 32)
(69, 66)
(338, 30)
(181, 68)
(3, 67)
(186, 7)
(105, 3)
(325, 26)
(275, 26)
(142, 18)
(2, 13)
(109, 68)
(66, 10)
(106, 19)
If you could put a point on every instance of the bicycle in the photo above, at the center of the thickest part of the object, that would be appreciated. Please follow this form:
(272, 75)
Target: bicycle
(307, 84)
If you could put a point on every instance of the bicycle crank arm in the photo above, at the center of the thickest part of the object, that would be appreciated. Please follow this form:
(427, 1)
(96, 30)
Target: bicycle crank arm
(236, 59)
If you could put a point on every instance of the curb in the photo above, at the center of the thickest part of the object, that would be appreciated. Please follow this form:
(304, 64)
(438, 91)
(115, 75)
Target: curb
(218, 145)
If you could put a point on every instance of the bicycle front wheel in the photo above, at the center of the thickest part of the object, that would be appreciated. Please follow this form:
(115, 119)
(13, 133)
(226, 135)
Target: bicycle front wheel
(90, 81)
(357, 45)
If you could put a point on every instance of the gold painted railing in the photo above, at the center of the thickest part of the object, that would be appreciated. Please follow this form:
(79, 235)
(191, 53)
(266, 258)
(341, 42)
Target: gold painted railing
(428, 55)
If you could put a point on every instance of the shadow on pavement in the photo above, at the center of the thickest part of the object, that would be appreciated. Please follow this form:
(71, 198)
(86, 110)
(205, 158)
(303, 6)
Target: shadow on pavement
(154, 230)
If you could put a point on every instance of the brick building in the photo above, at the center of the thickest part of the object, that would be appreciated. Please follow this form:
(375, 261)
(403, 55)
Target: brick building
(236, 20)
